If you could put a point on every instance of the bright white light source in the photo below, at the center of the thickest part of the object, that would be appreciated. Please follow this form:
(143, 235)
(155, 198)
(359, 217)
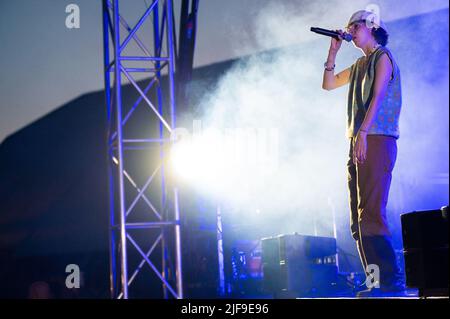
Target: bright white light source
(201, 159)
(225, 162)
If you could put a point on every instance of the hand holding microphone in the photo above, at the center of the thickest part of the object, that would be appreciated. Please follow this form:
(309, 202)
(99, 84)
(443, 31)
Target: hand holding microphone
(334, 34)
(336, 37)
(336, 42)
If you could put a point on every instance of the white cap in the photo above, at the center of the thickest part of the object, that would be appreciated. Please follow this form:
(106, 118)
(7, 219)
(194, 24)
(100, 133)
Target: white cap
(371, 19)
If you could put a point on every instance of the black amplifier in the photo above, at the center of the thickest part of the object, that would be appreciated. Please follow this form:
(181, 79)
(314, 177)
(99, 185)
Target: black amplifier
(299, 265)
(425, 248)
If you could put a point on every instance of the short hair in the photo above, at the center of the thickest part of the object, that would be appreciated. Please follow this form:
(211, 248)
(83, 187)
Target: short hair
(380, 35)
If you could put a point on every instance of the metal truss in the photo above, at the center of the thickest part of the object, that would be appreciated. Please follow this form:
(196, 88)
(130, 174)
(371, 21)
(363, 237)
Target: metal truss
(125, 191)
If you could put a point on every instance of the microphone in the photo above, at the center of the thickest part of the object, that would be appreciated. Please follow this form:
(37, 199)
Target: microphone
(346, 36)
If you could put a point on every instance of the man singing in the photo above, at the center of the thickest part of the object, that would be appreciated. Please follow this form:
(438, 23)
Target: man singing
(374, 103)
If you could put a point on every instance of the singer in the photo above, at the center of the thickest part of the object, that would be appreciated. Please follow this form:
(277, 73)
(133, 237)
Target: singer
(374, 103)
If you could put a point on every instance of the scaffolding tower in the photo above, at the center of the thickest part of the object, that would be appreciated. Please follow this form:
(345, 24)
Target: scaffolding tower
(163, 217)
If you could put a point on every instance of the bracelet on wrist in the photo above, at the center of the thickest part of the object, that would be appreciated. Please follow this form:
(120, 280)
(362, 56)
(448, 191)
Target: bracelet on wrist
(327, 68)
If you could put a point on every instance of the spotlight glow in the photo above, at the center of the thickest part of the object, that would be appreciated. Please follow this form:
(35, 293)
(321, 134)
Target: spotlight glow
(201, 160)
(225, 162)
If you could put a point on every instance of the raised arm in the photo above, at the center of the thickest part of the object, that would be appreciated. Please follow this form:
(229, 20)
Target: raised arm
(330, 80)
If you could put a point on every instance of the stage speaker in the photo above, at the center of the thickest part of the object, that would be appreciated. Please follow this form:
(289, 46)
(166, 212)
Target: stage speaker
(425, 248)
(299, 266)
